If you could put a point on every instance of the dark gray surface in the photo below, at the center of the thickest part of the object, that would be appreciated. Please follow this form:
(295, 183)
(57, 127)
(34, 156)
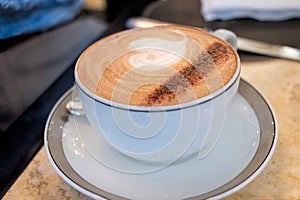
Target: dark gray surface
(29, 68)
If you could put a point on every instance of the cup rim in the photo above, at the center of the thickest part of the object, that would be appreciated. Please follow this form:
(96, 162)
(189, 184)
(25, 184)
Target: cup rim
(218, 92)
(180, 106)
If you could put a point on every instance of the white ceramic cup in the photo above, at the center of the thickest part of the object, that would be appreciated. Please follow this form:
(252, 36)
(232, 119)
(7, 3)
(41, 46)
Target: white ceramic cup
(169, 133)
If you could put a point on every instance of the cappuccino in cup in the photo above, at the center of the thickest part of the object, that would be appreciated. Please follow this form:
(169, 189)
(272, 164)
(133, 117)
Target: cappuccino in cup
(158, 94)
(157, 67)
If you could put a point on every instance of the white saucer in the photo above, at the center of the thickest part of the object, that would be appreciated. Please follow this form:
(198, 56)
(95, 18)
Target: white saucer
(83, 160)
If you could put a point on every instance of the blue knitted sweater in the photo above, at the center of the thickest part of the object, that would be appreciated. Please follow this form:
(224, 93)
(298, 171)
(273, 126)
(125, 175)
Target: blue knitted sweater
(19, 17)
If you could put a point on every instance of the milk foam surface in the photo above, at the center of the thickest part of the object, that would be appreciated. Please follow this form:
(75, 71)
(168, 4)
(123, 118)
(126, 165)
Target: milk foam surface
(162, 53)
(157, 66)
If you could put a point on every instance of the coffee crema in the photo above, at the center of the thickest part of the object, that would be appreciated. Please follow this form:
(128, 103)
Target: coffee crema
(157, 66)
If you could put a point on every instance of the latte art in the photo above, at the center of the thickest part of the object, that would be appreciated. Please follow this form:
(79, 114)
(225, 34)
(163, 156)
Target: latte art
(157, 66)
(161, 52)
(153, 59)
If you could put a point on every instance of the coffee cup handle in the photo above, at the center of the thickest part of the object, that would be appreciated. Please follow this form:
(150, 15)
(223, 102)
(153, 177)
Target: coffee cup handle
(228, 36)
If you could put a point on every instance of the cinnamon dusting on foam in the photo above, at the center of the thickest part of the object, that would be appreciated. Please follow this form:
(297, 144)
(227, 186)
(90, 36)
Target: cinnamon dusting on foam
(190, 75)
(219, 53)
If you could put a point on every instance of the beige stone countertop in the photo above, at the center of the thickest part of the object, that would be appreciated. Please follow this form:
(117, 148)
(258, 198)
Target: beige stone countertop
(277, 79)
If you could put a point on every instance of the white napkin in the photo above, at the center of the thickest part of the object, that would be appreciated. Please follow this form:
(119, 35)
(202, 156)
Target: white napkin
(262, 10)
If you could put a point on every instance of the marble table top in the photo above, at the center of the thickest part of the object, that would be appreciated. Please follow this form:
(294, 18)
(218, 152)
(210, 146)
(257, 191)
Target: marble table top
(277, 79)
